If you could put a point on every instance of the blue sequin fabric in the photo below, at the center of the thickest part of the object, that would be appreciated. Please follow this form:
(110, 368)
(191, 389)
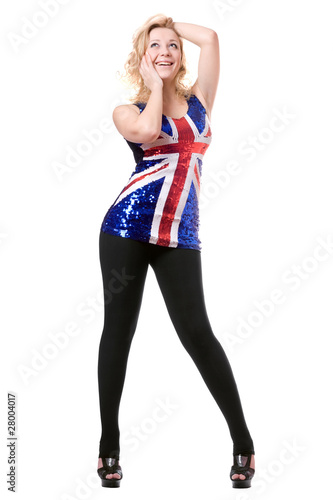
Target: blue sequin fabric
(160, 202)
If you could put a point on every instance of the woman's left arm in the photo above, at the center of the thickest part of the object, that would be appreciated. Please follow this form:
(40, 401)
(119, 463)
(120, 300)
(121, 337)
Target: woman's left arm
(209, 60)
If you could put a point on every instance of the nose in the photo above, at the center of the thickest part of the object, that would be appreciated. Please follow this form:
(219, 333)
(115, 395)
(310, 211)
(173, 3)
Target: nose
(164, 51)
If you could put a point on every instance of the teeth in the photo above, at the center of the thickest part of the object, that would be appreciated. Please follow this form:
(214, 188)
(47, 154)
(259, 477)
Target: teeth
(163, 64)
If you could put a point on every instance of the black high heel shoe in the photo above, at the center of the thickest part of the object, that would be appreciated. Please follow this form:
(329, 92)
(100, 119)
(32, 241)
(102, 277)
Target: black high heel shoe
(110, 466)
(242, 466)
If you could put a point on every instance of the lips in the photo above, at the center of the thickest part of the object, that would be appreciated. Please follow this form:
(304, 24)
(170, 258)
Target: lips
(164, 63)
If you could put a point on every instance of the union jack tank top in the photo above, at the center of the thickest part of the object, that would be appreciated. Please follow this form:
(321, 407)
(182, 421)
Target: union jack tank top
(160, 202)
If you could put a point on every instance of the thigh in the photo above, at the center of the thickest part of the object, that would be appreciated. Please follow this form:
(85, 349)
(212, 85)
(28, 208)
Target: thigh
(179, 275)
(124, 264)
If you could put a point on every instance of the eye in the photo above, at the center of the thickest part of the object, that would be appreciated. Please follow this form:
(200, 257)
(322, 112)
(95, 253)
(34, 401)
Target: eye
(155, 43)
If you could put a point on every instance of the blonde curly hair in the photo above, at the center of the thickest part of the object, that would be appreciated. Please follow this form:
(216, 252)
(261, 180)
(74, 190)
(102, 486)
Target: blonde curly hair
(132, 76)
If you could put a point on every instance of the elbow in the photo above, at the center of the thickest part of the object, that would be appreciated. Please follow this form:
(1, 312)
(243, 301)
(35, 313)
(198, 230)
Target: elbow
(212, 36)
(151, 135)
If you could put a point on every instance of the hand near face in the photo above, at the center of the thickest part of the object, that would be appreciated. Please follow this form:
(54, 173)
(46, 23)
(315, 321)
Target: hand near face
(149, 74)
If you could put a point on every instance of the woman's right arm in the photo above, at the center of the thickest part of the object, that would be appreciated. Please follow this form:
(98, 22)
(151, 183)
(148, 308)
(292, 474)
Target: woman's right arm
(145, 126)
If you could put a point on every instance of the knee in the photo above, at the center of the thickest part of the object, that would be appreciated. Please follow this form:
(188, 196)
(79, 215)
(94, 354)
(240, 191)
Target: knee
(197, 339)
(119, 332)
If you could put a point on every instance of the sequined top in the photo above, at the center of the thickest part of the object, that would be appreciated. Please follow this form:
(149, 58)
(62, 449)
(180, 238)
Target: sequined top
(160, 202)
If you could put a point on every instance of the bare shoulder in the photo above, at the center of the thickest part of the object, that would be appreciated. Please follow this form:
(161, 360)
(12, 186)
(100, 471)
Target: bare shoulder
(124, 111)
(197, 92)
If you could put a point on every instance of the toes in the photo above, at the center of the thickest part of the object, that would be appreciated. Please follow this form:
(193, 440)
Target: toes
(238, 476)
(112, 476)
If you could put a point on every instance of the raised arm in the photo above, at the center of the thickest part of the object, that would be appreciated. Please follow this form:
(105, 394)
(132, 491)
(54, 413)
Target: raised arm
(209, 59)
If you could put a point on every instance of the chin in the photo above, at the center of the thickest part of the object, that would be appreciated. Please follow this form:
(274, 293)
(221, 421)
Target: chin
(172, 75)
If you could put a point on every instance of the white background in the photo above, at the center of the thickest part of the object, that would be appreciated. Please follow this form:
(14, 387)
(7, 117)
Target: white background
(258, 231)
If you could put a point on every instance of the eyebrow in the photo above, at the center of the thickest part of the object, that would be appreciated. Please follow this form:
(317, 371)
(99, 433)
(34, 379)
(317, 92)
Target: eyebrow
(158, 40)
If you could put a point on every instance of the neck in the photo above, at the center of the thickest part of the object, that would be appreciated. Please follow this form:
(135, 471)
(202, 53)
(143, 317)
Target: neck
(169, 91)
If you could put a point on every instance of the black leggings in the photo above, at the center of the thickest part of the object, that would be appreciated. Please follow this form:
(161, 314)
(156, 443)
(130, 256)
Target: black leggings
(124, 264)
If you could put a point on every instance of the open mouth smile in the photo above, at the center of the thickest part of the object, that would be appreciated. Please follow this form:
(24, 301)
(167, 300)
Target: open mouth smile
(164, 63)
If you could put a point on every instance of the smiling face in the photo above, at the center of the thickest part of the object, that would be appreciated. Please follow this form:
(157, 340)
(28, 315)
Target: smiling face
(164, 49)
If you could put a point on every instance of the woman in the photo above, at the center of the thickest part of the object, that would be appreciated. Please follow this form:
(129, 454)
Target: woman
(154, 221)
